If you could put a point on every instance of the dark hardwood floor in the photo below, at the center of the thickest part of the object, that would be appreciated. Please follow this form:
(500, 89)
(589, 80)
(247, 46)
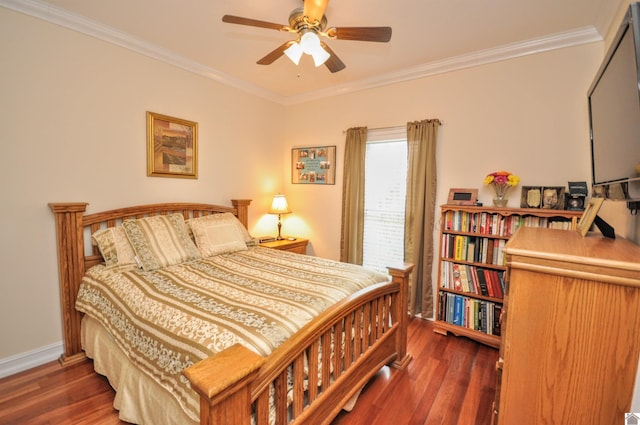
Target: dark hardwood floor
(450, 381)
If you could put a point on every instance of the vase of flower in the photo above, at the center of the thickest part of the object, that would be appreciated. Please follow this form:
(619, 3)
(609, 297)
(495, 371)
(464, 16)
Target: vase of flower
(500, 201)
(501, 182)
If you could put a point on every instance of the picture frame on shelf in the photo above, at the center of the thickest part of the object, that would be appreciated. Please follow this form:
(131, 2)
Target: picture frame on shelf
(172, 147)
(553, 197)
(544, 197)
(459, 196)
(589, 215)
(531, 197)
(313, 165)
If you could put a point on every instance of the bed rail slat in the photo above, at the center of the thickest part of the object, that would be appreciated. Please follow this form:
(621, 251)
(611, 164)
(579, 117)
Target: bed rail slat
(281, 397)
(298, 385)
(314, 370)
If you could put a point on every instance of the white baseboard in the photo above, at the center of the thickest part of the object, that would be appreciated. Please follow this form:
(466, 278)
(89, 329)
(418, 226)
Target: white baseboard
(24, 361)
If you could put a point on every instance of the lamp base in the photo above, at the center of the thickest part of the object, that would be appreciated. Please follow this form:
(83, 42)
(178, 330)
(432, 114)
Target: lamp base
(279, 237)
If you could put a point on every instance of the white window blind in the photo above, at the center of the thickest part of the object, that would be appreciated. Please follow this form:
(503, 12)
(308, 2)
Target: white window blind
(384, 198)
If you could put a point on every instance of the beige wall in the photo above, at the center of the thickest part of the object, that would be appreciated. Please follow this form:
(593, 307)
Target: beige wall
(73, 129)
(526, 115)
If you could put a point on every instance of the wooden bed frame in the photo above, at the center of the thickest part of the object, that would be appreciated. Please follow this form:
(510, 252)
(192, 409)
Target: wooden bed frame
(235, 384)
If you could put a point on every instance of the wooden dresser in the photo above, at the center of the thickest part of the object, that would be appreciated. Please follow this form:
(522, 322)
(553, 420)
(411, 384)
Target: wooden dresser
(571, 329)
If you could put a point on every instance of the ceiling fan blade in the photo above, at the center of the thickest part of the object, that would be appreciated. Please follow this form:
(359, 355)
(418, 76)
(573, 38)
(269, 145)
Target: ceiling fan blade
(274, 54)
(379, 34)
(252, 22)
(314, 9)
(334, 64)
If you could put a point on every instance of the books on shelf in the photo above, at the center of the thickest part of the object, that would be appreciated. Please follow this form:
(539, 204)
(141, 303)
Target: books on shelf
(473, 263)
(472, 279)
(473, 249)
(488, 223)
(471, 313)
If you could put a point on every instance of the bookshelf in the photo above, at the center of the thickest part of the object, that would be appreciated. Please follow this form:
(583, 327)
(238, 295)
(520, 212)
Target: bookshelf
(472, 265)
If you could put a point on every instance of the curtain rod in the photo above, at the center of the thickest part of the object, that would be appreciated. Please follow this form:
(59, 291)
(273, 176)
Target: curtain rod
(395, 126)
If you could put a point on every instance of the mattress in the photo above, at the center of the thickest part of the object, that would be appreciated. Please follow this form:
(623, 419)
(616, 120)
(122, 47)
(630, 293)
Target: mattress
(165, 320)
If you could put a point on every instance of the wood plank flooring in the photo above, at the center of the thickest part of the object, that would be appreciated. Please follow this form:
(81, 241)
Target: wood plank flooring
(450, 381)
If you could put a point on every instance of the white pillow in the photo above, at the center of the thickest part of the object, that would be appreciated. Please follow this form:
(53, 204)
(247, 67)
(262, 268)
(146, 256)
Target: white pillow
(215, 237)
(160, 241)
(114, 247)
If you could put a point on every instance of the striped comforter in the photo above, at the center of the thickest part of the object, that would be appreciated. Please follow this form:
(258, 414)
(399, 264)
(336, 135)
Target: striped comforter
(168, 319)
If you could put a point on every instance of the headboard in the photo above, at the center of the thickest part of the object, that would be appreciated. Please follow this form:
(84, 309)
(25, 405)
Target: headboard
(73, 227)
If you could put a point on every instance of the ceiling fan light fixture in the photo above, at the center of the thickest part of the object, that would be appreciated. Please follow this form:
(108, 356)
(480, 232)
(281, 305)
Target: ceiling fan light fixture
(320, 56)
(309, 42)
(294, 52)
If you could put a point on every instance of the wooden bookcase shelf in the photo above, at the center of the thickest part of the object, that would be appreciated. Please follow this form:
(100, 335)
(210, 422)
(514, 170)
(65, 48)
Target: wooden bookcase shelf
(472, 265)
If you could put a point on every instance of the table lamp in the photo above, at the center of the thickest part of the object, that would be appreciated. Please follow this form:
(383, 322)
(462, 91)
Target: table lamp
(279, 206)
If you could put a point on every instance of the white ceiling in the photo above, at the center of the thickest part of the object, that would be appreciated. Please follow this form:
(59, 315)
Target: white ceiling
(429, 36)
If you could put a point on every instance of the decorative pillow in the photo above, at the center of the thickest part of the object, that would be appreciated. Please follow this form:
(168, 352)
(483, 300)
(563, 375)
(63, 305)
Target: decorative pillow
(114, 247)
(215, 237)
(224, 218)
(160, 241)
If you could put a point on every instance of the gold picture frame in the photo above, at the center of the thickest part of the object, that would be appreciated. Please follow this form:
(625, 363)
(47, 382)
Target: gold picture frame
(172, 147)
(589, 215)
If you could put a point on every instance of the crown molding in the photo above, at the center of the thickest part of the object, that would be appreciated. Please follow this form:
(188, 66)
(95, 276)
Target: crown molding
(62, 17)
(59, 16)
(510, 51)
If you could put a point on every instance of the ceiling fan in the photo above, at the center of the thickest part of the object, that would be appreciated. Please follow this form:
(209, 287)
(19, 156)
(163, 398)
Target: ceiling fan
(310, 24)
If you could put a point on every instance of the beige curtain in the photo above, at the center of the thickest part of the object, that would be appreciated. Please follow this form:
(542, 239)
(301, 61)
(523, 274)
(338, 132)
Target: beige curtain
(352, 232)
(419, 213)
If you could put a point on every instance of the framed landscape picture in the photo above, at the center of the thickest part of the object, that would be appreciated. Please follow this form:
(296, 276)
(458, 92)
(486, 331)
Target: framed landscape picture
(172, 147)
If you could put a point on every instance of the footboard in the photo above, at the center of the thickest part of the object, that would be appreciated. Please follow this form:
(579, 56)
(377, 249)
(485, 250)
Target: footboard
(310, 377)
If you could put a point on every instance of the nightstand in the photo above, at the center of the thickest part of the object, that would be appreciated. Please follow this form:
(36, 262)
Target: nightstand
(298, 246)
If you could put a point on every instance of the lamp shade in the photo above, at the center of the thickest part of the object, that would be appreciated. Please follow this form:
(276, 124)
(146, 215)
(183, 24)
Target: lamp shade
(294, 52)
(279, 205)
(308, 43)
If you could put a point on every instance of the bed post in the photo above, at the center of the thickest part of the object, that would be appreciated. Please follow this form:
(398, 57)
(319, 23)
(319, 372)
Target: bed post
(242, 205)
(223, 382)
(70, 245)
(401, 312)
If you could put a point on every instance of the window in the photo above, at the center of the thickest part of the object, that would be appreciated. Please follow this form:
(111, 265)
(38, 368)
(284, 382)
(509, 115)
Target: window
(384, 198)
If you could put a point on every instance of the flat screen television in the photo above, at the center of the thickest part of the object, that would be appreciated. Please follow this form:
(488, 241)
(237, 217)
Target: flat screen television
(614, 110)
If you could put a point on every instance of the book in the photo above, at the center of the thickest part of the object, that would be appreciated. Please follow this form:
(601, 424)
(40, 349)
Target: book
(458, 305)
(489, 257)
(471, 249)
(457, 281)
(493, 285)
(473, 275)
(459, 243)
(450, 307)
(487, 278)
(482, 282)
(464, 278)
(442, 307)
(497, 311)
